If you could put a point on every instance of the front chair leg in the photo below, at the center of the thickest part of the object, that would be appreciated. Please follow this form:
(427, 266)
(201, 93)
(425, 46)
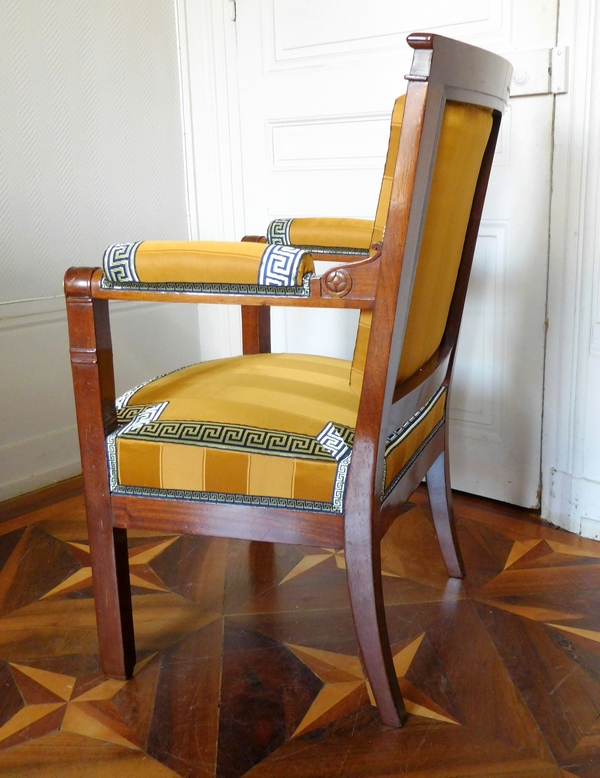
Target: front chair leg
(94, 389)
(112, 597)
(440, 501)
(363, 567)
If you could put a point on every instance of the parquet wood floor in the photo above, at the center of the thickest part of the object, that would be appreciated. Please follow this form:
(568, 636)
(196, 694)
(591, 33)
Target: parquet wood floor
(248, 661)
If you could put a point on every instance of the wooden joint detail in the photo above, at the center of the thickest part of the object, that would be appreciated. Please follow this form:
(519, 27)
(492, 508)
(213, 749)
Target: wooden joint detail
(353, 281)
(254, 239)
(83, 356)
(78, 282)
(109, 416)
(338, 282)
(420, 68)
(256, 329)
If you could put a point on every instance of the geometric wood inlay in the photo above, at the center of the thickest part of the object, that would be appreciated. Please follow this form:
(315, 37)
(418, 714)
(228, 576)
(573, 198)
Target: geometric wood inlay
(248, 662)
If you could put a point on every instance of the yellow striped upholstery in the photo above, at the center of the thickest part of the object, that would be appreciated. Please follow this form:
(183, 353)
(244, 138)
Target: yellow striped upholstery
(210, 437)
(383, 206)
(245, 429)
(385, 193)
(332, 233)
(161, 263)
(463, 138)
(348, 237)
(198, 261)
(405, 444)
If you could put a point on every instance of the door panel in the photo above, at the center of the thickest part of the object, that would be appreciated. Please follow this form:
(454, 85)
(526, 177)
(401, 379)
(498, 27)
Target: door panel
(317, 81)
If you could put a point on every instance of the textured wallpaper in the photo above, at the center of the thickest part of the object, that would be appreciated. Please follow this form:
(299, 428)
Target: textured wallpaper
(90, 135)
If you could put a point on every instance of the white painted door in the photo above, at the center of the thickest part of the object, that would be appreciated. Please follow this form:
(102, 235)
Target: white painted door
(317, 79)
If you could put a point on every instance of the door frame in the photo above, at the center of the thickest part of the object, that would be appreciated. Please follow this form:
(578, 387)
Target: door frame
(212, 147)
(570, 498)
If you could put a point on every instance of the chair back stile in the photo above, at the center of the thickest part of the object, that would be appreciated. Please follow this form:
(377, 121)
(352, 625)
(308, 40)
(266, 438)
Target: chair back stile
(387, 403)
(362, 508)
(481, 80)
(369, 442)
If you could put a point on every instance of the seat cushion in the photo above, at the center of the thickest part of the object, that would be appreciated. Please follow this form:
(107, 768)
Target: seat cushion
(271, 429)
(264, 429)
(406, 443)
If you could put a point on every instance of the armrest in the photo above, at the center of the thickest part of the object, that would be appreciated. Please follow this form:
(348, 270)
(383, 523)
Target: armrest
(340, 237)
(351, 286)
(204, 266)
(247, 273)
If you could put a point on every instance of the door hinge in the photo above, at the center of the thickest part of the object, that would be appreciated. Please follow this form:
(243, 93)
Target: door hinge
(559, 69)
(232, 10)
(539, 72)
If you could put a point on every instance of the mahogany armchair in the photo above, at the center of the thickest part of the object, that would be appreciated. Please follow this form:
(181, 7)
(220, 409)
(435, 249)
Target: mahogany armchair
(292, 448)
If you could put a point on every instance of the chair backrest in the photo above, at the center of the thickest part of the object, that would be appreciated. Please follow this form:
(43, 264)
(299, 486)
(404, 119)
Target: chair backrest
(463, 138)
(383, 206)
(441, 147)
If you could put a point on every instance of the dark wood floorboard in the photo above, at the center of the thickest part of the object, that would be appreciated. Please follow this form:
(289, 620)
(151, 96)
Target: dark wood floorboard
(248, 661)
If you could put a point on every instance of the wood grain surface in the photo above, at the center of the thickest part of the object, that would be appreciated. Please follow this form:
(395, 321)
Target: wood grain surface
(248, 662)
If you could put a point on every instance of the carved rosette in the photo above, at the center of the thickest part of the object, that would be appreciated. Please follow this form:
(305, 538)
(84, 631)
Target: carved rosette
(338, 282)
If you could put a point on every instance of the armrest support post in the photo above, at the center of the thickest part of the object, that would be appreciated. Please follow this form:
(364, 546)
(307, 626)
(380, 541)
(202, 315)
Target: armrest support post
(94, 387)
(256, 329)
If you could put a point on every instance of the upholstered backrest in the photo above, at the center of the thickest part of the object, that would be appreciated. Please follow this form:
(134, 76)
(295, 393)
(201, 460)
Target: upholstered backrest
(383, 204)
(463, 138)
(385, 193)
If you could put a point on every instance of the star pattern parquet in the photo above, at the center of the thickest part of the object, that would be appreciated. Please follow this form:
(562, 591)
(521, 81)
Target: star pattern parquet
(248, 663)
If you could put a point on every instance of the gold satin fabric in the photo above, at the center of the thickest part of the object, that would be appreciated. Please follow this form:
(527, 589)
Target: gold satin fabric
(288, 392)
(337, 233)
(204, 262)
(285, 392)
(463, 138)
(399, 454)
(383, 205)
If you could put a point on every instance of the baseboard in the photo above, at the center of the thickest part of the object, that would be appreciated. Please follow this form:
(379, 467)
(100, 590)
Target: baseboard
(38, 461)
(48, 495)
(37, 481)
(574, 504)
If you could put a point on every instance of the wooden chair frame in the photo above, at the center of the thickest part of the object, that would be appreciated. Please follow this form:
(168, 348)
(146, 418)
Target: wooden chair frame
(442, 70)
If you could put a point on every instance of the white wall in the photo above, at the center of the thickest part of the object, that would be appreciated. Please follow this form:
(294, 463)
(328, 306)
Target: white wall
(91, 153)
(571, 446)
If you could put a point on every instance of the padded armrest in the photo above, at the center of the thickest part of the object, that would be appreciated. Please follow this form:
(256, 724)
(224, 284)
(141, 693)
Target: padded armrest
(351, 237)
(203, 265)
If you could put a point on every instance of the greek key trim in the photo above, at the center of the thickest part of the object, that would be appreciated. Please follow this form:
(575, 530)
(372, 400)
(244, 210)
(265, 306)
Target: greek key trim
(312, 506)
(279, 266)
(333, 442)
(226, 437)
(118, 262)
(278, 232)
(298, 290)
(395, 438)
